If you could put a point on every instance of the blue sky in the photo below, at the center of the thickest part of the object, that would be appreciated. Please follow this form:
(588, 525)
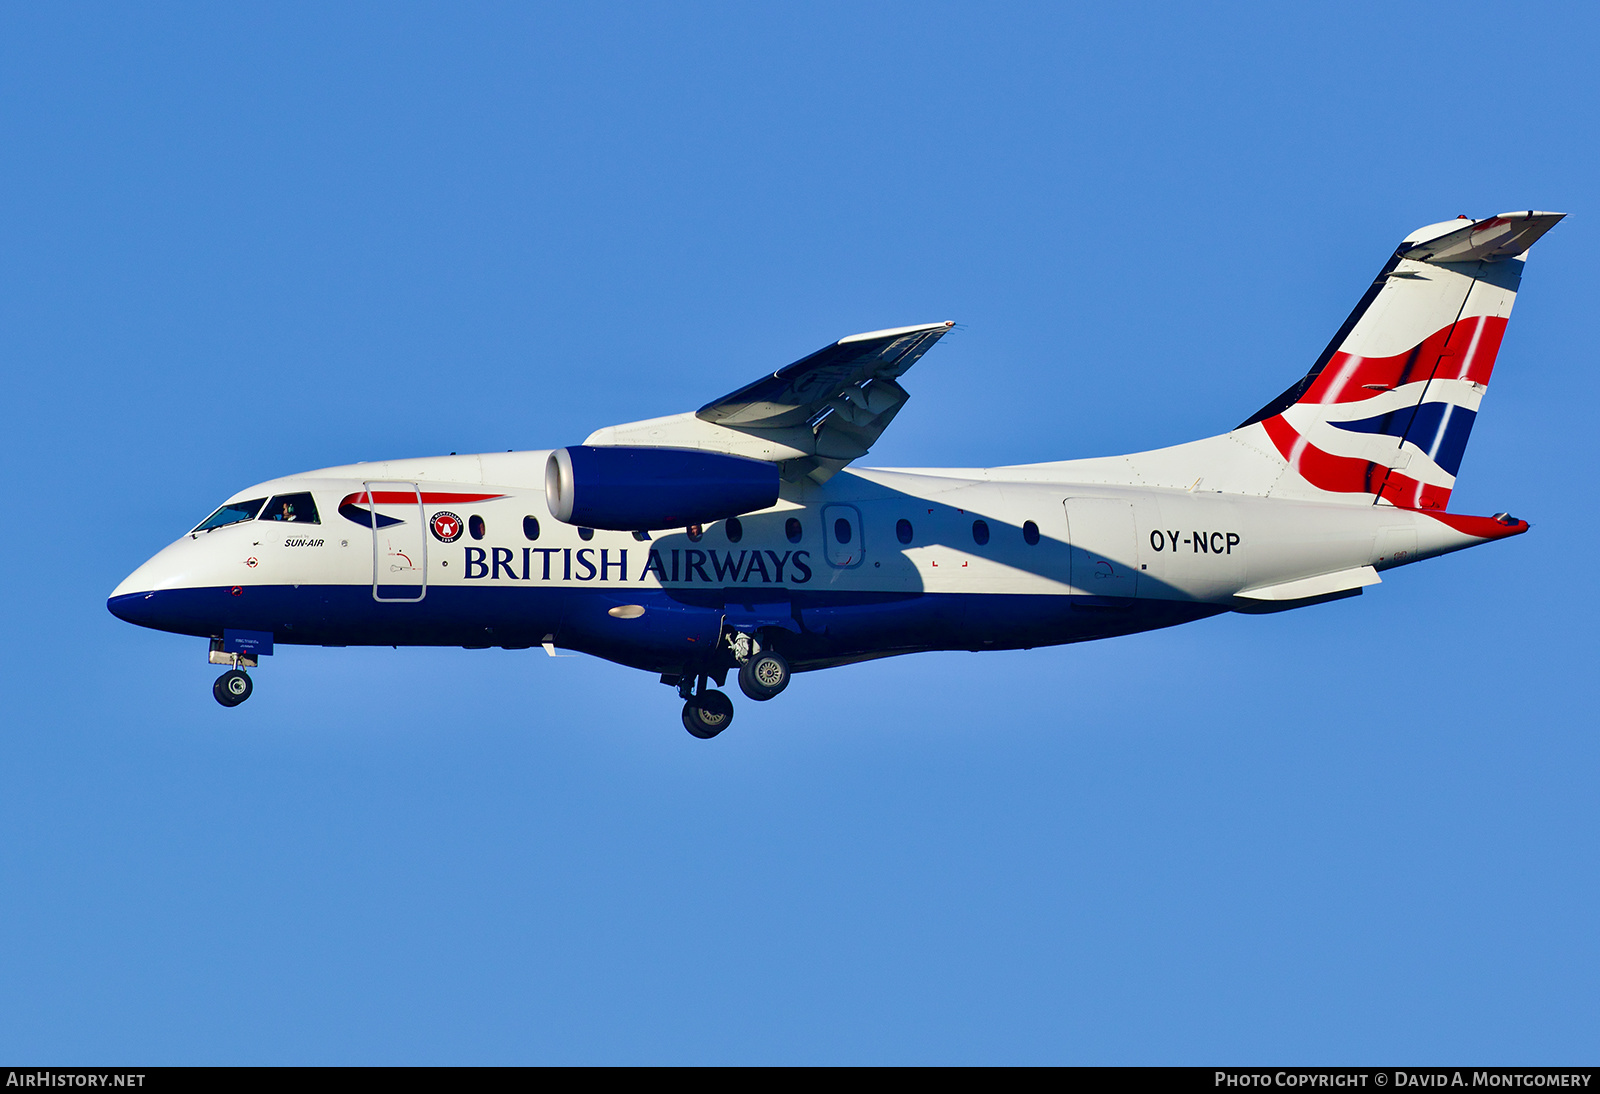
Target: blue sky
(248, 241)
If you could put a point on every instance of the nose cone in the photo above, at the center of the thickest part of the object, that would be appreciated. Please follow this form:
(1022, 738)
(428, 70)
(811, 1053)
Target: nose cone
(137, 608)
(134, 600)
(157, 573)
(137, 582)
(152, 594)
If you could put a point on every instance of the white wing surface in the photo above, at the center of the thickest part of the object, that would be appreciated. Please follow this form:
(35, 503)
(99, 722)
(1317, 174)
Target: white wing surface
(812, 417)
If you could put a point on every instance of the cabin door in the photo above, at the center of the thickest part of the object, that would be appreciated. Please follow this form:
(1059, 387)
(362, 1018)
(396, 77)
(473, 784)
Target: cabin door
(1105, 547)
(399, 542)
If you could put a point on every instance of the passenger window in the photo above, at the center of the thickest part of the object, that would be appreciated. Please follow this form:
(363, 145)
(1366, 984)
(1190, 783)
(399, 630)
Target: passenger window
(530, 527)
(841, 530)
(980, 532)
(475, 526)
(792, 529)
(694, 532)
(586, 534)
(291, 509)
(1030, 533)
(232, 513)
(734, 529)
(902, 530)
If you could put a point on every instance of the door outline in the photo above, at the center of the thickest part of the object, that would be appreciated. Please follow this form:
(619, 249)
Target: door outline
(1396, 544)
(377, 545)
(854, 552)
(1095, 560)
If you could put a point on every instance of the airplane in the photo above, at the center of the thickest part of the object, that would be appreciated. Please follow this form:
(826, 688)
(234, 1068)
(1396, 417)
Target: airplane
(742, 538)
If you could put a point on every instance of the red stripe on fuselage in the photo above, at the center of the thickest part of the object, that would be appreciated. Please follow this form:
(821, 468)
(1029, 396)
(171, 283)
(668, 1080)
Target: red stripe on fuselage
(403, 497)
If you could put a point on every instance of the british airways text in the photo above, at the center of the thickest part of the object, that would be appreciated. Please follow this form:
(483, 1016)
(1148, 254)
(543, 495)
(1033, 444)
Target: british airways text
(676, 566)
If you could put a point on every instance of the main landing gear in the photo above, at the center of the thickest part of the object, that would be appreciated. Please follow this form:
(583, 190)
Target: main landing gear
(763, 673)
(707, 714)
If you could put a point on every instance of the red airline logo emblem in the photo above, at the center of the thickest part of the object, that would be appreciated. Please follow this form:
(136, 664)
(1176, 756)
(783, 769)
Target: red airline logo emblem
(446, 527)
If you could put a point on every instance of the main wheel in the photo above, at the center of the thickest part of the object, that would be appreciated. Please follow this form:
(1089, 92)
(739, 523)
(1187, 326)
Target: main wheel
(232, 688)
(764, 675)
(707, 714)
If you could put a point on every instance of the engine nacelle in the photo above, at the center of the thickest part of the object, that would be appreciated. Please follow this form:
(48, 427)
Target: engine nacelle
(630, 489)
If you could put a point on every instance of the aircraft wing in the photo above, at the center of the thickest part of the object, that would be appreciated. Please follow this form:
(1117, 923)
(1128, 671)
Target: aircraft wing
(852, 380)
(811, 417)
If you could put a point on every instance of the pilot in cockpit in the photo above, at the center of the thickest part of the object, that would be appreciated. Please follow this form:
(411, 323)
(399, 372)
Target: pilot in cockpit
(291, 509)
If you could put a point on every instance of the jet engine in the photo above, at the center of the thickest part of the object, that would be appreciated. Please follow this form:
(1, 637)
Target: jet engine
(634, 489)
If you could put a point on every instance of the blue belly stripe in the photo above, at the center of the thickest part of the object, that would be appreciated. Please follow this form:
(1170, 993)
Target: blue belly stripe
(677, 628)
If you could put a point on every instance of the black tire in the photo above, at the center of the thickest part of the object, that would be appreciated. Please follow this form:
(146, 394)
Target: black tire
(707, 714)
(232, 688)
(764, 676)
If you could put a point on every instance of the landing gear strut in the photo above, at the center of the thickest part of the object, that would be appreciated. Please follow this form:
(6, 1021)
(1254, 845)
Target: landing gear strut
(232, 687)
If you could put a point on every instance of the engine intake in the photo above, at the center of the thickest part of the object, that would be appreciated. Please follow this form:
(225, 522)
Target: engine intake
(635, 489)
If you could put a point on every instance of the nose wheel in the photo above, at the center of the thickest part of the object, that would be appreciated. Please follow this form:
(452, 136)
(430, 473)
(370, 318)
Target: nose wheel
(233, 687)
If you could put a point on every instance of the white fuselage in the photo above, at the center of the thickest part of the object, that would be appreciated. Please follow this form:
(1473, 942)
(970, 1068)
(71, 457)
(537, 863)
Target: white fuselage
(872, 562)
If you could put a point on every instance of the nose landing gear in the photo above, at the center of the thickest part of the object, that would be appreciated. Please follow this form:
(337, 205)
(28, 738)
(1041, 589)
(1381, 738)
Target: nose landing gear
(232, 687)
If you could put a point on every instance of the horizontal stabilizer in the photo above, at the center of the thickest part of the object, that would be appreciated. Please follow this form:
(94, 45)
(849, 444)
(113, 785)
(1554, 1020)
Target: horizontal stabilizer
(1504, 236)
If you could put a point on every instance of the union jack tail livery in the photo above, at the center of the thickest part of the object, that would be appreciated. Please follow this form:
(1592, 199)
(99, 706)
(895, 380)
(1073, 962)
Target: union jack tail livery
(1385, 413)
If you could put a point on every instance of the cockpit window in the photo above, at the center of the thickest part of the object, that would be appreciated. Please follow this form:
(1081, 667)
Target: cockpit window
(291, 509)
(232, 513)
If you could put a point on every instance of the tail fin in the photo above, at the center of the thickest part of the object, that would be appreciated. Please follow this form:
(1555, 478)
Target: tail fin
(1385, 413)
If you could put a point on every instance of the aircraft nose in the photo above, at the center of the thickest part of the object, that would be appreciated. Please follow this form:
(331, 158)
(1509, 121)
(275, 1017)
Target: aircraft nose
(134, 598)
(149, 596)
(143, 580)
(137, 608)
